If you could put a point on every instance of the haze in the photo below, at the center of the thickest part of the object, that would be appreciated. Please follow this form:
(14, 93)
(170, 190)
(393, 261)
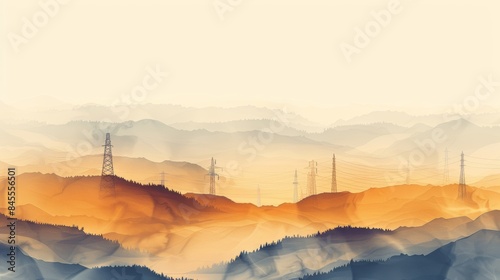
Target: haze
(284, 54)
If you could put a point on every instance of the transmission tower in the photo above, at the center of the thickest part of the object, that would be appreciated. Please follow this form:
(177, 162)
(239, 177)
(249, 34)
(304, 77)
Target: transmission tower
(258, 197)
(295, 188)
(212, 174)
(462, 191)
(334, 176)
(446, 175)
(311, 178)
(162, 181)
(107, 174)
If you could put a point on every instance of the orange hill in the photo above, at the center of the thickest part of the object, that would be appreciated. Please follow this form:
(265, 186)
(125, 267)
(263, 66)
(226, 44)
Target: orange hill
(186, 176)
(184, 231)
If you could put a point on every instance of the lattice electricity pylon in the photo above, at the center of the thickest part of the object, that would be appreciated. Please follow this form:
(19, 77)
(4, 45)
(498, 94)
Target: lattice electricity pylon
(462, 187)
(311, 178)
(107, 174)
(162, 180)
(212, 174)
(334, 175)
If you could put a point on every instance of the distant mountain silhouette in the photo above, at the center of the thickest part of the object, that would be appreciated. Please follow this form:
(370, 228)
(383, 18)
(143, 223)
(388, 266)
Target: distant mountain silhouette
(356, 135)
(166, 113)
(56, 111)
(459, 135)
(399, 118)
(289, 129)
(408, 120)
(368, 155)
(162, 141)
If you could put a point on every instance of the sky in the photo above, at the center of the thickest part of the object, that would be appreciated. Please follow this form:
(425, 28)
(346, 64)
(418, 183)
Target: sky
(323, 59)
(315, 56)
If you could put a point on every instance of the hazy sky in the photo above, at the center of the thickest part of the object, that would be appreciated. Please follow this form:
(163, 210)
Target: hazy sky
(263, 52)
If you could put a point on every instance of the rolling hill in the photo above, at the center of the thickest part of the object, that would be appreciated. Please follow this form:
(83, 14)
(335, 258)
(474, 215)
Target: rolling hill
(28, 267)
(294, 257)
(65, 244)
(183, 231)
(368, 155)
(472, 257)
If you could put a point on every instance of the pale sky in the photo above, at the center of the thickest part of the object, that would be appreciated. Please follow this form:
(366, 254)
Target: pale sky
(281, 52)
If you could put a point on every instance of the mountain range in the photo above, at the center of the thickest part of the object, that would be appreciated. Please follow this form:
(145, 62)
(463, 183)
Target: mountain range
(55, 111)
(373, 155)
(472, 257)
(331, 253)
(65, 244)
(28, 267)
(183, 231)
